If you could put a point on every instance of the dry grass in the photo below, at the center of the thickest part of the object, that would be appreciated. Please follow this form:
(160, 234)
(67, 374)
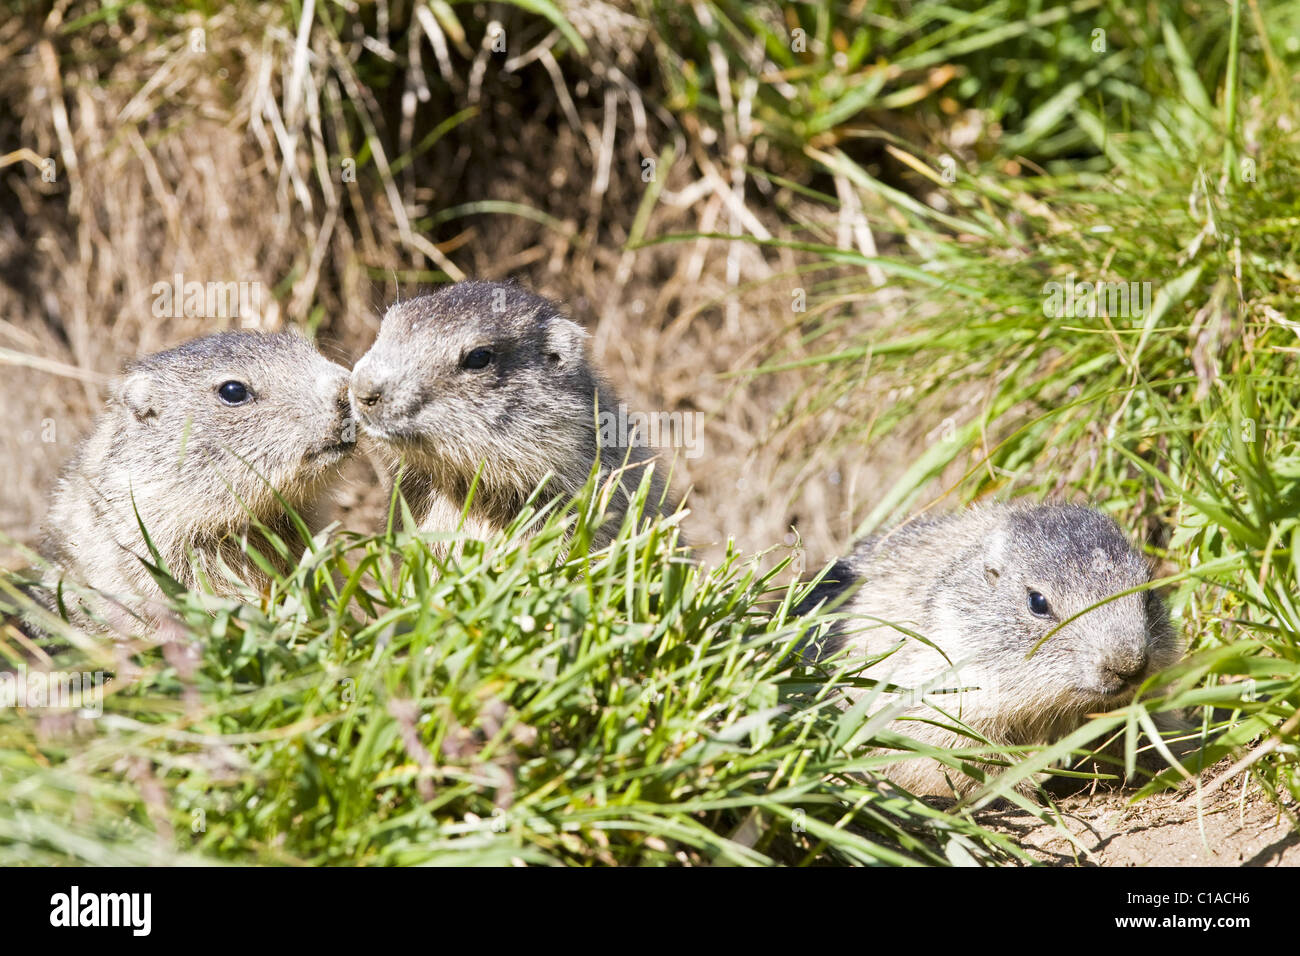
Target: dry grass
(210, 165)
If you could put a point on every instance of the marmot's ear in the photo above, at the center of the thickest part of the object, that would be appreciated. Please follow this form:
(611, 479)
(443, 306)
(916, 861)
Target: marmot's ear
(136, 394)
(991, 575)
(565, 341)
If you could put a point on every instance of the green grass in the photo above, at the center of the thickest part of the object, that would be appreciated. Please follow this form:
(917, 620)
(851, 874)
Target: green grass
(1181, 420)
(525, 702)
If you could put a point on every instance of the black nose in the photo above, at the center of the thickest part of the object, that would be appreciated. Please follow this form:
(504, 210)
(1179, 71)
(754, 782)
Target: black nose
(1129, 668)
(366, 390)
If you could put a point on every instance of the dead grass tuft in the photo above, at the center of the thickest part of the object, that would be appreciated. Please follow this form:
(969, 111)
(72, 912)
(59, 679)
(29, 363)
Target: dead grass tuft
(217, 149)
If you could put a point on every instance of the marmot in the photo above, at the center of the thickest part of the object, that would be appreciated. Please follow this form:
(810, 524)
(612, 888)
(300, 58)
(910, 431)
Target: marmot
(985, 586)
(487, 374)
(204, 441)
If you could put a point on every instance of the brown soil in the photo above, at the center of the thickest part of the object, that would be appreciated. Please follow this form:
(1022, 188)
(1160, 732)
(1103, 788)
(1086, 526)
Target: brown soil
(1226, 828)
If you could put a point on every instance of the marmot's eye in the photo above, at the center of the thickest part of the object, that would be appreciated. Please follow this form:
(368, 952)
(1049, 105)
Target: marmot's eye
(477, 359)
(1038, 605)
(234, 393)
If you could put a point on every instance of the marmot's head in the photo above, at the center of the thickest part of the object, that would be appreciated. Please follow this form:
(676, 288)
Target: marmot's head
(480, 373)
(230, 420)
(1040, 566)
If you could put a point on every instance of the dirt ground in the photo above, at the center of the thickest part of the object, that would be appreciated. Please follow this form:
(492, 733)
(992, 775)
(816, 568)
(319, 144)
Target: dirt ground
(1229, 827)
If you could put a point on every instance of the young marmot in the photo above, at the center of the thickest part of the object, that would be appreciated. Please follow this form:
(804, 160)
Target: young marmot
(985, 586)
(488, 375)
(203, 441)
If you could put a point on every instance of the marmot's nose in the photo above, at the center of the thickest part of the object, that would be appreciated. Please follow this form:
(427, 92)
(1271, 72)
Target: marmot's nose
(367, 390)
(343, 408)
(1129, 667)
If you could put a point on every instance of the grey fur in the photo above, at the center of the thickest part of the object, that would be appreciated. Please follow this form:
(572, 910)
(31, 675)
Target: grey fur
(963, 581)
(531, 411)
(196, 469)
